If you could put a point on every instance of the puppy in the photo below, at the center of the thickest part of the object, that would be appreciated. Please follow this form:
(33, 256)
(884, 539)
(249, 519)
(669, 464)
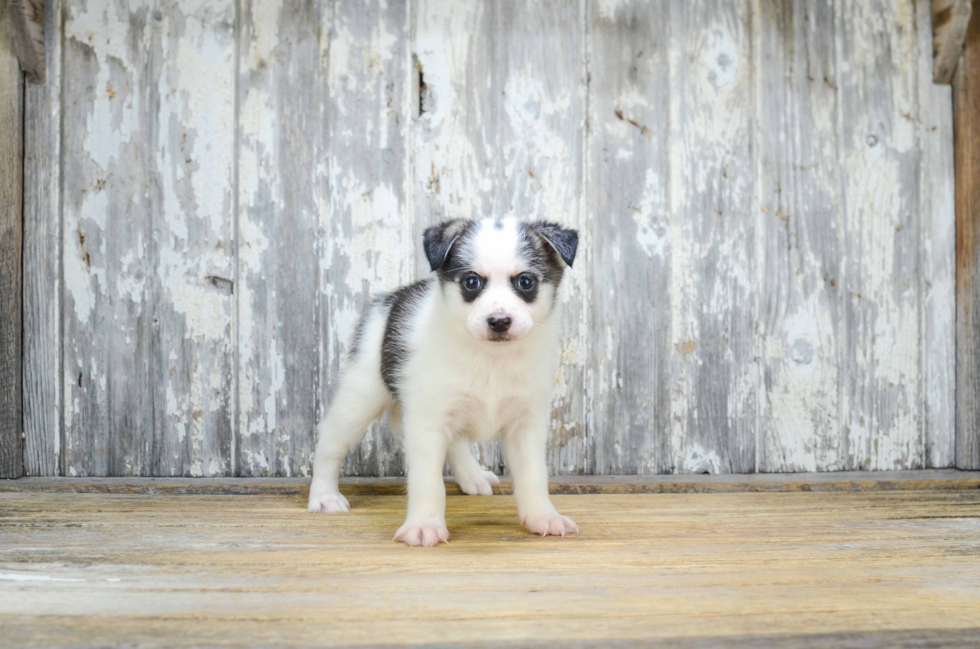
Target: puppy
(461, 357)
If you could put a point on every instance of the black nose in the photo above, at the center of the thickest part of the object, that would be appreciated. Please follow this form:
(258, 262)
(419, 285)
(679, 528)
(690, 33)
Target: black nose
(499, 323)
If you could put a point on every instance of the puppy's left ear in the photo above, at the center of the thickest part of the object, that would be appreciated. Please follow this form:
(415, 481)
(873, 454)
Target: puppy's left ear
(564, 241)
(438, 239)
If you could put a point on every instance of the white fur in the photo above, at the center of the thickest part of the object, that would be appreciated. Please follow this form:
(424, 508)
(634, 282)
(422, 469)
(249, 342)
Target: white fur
(497, 260)
(458, 387)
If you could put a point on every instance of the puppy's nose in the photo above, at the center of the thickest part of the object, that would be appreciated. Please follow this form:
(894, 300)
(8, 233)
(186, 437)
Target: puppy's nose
(499, 322)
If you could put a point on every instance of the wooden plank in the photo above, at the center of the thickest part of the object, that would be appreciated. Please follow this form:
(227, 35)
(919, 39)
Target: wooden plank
(11, 241)
(878, 99)
(966, 108)
(799, 203)
(148, 143)
(91, 332)
(714, 371)
(279, 161)
(627, 175)
(191, 137)
(501, 131)
(453, 161)
(949, 22)
(27, 19)
(42, 261)
(918, 480)
(369, 242)
(750, 569)
(937, 256)
(323, 179)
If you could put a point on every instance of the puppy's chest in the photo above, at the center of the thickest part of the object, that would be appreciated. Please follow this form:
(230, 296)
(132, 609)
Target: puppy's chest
(481, 417)
(481, 407)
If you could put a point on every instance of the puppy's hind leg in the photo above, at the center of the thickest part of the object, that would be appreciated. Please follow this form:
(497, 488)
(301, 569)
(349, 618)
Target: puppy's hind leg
(360, 399)
(472, 478)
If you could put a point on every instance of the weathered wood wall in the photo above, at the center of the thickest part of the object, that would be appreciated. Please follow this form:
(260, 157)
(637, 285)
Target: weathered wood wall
(764, 191)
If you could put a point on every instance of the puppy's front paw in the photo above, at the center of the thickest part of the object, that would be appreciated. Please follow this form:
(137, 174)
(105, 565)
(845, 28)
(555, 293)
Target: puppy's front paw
(328, 502)
(478, 484)
(551, 524)
(427, 534)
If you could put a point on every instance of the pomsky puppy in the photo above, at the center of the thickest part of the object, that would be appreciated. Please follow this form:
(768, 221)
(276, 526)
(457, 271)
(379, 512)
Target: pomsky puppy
(457, 358)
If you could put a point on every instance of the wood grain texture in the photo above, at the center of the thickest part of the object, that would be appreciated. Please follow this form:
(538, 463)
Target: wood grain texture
(937, 258)
(11, 241)
(916, 480)
(763, 192)
(966, 108)
(281, 148)
(26, 19)
(501, 132)
(148, 237)
(783, 569)
(452, 147)
(714, 370)
(42, 260)
(878, 95)
(628, 169)
(190, 134)
(323, 177)
(798, 209)
(369, 244)
(950, 19)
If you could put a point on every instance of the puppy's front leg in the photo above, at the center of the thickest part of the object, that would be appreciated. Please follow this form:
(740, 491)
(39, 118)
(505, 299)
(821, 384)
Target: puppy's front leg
(425, 453)
(524, 447)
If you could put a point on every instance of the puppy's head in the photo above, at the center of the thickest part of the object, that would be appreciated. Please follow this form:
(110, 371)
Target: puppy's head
(500, 276)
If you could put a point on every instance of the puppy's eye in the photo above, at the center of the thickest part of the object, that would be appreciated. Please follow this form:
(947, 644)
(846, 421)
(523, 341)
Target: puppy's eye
(472, 282)
(526, 282)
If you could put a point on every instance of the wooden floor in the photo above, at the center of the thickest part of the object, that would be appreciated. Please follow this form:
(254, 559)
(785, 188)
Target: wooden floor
(795, 568)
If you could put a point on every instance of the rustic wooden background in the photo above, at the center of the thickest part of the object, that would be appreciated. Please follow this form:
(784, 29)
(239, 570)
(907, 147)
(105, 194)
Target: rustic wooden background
(764, 191)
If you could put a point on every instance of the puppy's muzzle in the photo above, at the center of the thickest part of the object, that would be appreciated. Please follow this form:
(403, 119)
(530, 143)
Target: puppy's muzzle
(499, 323)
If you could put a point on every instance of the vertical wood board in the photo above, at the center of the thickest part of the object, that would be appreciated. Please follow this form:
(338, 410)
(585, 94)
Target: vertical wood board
(501, 132)
(879, 166)
(799, 236)
(368, 238)
(628, 173)
(966, 98)
(714, 370)
(11, 233)
(937, 253)
(148, 237)
(280, 154)
(42, 260)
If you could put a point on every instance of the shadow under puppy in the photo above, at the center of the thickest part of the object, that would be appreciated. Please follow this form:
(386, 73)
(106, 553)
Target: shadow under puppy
(461, 357)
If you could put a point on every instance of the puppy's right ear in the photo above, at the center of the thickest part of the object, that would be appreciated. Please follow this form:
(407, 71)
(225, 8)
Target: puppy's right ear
(437, 240)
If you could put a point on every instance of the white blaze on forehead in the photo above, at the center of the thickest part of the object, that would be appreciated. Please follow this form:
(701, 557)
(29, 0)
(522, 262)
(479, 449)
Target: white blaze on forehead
(493, 251)
(495, 248)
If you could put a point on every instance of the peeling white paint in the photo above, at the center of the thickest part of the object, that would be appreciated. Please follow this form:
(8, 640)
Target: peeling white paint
(608, 8)
(506, 134)
(21, 576)
(651, 217)
(700, 460)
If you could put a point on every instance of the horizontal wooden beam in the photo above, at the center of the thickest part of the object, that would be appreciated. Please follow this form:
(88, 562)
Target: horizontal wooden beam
(949, 22)
(933, 479)
(27, 26)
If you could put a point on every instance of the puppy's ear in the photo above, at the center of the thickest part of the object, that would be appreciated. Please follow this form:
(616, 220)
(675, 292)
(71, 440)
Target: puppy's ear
(564, 241)
(437, 240)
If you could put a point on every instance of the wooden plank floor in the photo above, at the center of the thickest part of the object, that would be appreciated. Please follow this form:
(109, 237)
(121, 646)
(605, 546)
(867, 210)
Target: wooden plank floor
(850, 568)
